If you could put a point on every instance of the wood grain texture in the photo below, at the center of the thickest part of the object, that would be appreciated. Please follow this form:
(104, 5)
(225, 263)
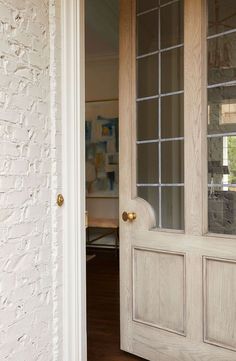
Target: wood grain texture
(195, 116)
(103, 222)
(220, 302)
(141, 338)
(127, 166)
(160, 276)
(125, 135)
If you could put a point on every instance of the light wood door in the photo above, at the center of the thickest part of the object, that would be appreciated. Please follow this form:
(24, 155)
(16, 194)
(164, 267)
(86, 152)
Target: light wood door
(177, 287)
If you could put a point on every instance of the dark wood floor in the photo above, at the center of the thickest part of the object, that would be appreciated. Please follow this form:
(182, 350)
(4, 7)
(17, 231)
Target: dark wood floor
(103, 308)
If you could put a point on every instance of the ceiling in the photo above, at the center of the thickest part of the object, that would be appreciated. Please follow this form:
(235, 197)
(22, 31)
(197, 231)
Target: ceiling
(101, 28)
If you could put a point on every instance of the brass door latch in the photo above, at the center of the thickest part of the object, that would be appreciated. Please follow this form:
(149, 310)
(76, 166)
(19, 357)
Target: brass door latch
(129, 216)
(60, 200)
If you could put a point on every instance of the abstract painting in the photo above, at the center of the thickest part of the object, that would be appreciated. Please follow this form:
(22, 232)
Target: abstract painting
(102, 156)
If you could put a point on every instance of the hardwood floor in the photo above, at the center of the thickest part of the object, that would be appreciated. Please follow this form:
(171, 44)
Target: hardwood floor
(103, 308)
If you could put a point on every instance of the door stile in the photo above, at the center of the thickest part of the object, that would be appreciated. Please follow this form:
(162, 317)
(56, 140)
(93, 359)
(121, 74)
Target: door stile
(128, 193)
(126, 113)
(133, 102)
(127, 98)
(195, 153)
(195, 116)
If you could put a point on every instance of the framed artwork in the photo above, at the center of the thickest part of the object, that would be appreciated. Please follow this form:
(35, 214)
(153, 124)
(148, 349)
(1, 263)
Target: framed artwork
(102, 149)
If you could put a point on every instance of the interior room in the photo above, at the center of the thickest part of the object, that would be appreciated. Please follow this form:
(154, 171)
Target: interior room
(102, 180)
(102, 144)
(102, 157)
(158, 168)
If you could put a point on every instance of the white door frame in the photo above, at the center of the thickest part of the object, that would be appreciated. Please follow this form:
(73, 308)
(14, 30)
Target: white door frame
(73, 170)
(73, 175)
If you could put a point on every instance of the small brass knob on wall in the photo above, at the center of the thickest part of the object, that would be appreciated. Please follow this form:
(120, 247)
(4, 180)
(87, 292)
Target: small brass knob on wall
(129, 216)
(60, 200)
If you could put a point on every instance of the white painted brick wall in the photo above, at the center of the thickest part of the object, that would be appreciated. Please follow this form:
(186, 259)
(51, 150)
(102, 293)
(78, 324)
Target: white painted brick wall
(30, 178)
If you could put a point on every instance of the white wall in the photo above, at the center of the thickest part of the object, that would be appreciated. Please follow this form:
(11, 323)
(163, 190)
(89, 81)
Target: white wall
(30, 247)
(102, 77)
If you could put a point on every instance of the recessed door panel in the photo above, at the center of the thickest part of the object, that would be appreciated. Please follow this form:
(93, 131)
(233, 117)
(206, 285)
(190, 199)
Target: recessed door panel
(220, 302)
(161, 277)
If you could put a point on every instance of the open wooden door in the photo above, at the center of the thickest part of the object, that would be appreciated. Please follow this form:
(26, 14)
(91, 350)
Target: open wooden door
(177, 237)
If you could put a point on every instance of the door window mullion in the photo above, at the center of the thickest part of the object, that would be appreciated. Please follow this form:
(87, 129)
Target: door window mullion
(160, 99)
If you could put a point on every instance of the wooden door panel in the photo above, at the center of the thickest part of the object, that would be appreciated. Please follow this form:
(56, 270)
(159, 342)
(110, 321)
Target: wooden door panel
(178, 289)
(165, 346)
(220, 302)
(160, 276)
(200, 324)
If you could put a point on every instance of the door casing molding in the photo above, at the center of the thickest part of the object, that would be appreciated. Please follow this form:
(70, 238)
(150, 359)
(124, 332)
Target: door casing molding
(73, 175)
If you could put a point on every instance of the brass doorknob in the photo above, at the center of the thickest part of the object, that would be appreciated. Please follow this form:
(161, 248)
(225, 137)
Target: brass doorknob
(129, 216)
(60, 200)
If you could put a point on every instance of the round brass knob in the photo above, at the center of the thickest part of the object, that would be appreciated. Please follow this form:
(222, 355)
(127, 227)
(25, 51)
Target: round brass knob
(60, 200)
(129, 216)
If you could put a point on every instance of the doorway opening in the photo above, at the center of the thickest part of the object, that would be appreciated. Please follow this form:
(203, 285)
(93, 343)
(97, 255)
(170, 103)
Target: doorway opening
(102, 179)
(174, 269)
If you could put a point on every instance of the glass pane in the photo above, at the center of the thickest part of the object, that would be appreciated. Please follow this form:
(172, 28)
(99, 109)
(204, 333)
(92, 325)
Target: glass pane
(172, 116)
(221, 210)
(222, 160)
(151, 195)
(147, 163)
(161, 118)
(222, 110)
(221, 118)
(147, 32)
(222, 59)
(172, 25)
(172, 207)
(221, 16)
(143, 5)
(172, 70)
(148, 76)
(147, 119)
(172, 162)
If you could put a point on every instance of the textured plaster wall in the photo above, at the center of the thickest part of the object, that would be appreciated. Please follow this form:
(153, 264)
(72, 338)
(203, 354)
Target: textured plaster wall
(30, 168)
